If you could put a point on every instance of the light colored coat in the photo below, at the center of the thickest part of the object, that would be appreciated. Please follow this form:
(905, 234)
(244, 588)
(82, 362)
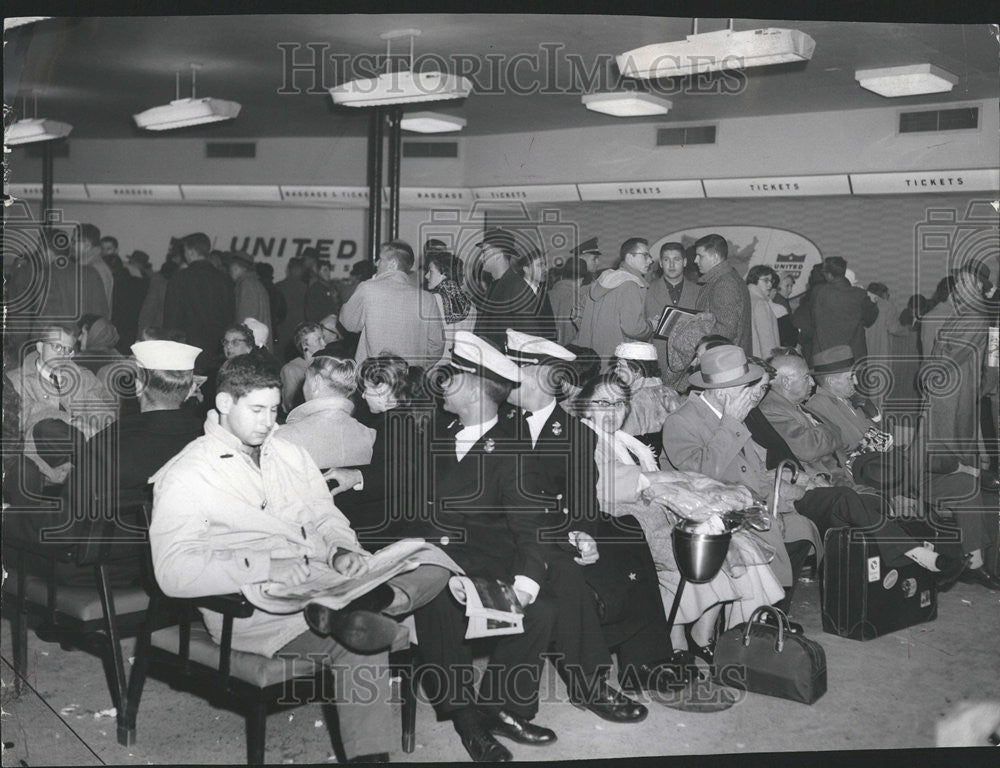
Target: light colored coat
(326, 429)
(613, 313)
(395, 316)
(696, 440)
(218, 519)
(819, 447)
(764, 323)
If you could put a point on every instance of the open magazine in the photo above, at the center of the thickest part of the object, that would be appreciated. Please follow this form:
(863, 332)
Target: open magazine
(329, 588)
(490, 605)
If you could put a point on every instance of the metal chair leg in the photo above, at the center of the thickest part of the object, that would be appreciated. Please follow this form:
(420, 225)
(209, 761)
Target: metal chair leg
(19, 626)
(119, 690)
(256, 732)
(408, 692)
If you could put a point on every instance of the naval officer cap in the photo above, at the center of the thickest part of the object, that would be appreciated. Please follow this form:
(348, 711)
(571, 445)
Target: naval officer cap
(161, 355)
(474, 355)
(525, 349)
(587, 246)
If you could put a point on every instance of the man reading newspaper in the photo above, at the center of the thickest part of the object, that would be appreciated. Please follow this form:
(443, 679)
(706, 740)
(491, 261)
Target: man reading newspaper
(239, 507)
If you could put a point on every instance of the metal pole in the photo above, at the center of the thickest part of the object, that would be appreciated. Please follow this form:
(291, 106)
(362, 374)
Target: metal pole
(375, 136)
(395, 162)
(46, 180)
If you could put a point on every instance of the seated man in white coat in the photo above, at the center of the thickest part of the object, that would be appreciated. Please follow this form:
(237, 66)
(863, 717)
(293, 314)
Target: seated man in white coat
(238, 506)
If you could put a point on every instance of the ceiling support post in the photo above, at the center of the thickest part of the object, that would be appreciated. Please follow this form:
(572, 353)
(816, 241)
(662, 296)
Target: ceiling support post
(376, 134)
(395, 161)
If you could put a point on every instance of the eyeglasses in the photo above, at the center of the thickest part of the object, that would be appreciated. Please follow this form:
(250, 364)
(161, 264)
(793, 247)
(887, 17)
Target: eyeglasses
(644, 254)
(61, 349)
(609, 403)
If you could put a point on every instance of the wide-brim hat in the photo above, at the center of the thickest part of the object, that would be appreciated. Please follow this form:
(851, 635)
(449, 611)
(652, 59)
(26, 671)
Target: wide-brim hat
(476, 356)
(238, 257)
(833, 360)
(725, 366)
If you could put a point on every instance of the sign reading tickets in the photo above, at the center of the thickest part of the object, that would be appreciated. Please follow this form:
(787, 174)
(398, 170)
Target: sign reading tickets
(642, 190)
(788, 253)
(916, 182)
(534, 193)
(778, 186)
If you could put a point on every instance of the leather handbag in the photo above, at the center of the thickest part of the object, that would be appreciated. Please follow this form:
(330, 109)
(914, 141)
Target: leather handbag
(770, 660)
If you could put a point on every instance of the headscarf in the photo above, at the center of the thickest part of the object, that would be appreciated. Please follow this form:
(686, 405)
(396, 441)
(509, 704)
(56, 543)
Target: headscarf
(456, 304)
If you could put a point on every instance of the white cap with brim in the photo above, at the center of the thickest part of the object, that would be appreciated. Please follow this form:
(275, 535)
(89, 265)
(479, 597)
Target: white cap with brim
(162, 355)
(474, 355)
(635, 350)
(525, 349)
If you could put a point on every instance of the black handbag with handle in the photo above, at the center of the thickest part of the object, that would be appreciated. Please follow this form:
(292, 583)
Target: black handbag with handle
(770, 660)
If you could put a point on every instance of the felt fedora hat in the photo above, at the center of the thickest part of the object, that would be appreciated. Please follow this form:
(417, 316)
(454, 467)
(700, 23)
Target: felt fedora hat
(725, 366)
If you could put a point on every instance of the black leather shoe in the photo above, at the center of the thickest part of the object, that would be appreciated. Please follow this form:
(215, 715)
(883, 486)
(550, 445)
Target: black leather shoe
(516, 728)
(664, 677)
(478, 742)
(772, 621)
(359, 626)
(981, 577)
(612, 705)
(949, 569)
(378, 757)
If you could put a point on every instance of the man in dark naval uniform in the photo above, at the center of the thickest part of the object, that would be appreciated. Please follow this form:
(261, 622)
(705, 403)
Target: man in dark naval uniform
(481, 519)
(601, 568)
(114, 466)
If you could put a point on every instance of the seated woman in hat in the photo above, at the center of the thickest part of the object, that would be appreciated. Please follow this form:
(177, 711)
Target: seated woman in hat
(629, 478)
(636, 363)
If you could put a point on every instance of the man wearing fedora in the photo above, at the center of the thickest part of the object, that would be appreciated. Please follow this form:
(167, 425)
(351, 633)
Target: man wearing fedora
(492, 530)
(707, 434)
(943, 481)
(600, 569)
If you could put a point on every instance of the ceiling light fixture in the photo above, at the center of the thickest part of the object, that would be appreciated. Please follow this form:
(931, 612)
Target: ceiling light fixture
(182, 113)
(626, 104)
(402, 87)
(29, 130)
(716, 51)
(912, 80)
(431, 122)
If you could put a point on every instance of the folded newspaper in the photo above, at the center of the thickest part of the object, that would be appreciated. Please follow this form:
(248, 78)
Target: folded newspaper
(490, 605)
(329, 588)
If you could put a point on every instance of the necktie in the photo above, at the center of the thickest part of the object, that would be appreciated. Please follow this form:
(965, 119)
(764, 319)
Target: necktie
(525, 426)
(55, 382)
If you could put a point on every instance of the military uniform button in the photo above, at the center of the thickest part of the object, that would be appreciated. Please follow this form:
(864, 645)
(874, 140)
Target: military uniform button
(444, 541)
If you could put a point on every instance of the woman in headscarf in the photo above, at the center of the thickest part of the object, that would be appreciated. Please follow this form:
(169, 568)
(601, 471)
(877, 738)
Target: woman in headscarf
(444, 275)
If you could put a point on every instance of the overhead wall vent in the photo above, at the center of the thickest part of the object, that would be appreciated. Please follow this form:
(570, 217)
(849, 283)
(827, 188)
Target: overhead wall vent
(682, 137)
(430, 149)
(228, 149)
(962, 119)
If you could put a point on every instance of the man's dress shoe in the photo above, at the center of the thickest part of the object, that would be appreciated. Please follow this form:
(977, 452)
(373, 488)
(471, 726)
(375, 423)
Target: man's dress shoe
(981, 577)
(663, 677)
(358, 626)
(518, 729)
(611, 705)
(478, 742)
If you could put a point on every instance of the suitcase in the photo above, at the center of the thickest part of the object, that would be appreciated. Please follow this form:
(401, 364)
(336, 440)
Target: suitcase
(863, 598)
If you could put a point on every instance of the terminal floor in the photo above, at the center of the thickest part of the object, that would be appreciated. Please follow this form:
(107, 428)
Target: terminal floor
(883, 694)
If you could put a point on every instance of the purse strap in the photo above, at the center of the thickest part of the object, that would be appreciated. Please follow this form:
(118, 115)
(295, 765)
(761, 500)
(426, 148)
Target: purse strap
(779, 646)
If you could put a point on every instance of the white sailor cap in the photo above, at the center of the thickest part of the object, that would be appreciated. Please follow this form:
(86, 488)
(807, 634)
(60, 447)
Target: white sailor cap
(525, 349)
(474, 355)
(261, 333)
(165, 355)
(635, 350)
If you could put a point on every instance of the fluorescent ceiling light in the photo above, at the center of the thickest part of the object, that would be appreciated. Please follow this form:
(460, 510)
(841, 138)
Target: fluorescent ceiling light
(913, 80)
(431, 122)
(402, 87)
(626, 104)
(714, 51)
(35, 129)
(182, 113)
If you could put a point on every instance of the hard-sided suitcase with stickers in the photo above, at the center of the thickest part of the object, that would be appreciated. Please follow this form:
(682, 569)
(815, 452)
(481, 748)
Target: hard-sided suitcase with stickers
(862, 597)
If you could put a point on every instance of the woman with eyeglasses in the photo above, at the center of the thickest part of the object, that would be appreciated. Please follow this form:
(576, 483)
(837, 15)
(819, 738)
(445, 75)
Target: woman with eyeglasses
(630, 483)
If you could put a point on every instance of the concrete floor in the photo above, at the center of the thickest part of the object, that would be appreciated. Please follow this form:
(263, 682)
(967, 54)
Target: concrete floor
(883, 694)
